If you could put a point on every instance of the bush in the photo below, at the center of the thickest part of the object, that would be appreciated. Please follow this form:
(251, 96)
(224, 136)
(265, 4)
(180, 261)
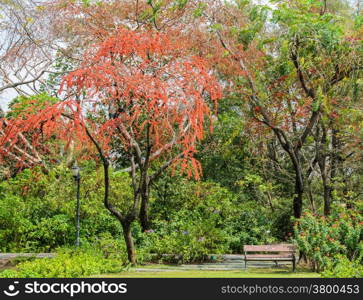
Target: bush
(37, 210)
(202, 218)
(252, 225)
(341, 267)
(188, 221)
(67, 264)
(189, 237)
(321, 238)
(282, 221)
(111, 247)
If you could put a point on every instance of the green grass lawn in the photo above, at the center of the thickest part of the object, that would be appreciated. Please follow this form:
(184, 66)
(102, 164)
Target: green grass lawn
(168, 271)
(249, 273)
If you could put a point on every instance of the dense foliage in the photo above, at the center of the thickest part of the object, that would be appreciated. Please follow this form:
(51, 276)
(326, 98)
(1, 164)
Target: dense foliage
(190, 219)
(342, 267)
(322, 238)
(67, 263)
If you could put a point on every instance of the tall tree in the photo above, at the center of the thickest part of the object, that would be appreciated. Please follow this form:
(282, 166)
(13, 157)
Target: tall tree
(141, 96)
(301, 57)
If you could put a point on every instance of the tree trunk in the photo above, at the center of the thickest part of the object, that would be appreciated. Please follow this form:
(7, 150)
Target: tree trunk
(325, 170)
(144, 209)
(125, 221)
(327, 194)
(311, 198)
(326, 183)
(299, 184)
(334, 160)
(144, 214)
(298, 198)
(131, 253)
(269, 197)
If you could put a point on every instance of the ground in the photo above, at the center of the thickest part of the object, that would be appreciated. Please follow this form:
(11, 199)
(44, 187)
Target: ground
(163, 271)
(223, 266)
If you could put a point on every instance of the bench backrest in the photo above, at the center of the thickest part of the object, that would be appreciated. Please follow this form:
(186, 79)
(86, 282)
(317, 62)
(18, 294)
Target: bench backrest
(269, 248)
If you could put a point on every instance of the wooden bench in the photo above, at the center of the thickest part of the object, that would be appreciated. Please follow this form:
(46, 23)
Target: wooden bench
(280, 252)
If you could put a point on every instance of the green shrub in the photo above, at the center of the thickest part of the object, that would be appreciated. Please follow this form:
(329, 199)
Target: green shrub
(67, 264)
(341, 267)
(190, 236)
(188, 221)
(46, 234)
(37, 210)
(111, 247)
(213, 217)
(321, 238)
(252, 225)
(282, 221)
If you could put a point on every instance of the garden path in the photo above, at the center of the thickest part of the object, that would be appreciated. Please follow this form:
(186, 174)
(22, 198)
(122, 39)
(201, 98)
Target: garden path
(224, 262)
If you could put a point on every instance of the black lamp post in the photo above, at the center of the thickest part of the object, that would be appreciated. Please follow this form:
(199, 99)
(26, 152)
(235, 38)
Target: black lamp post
(77, 177)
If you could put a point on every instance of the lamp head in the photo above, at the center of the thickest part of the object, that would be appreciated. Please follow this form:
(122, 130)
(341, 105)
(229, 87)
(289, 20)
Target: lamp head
(76, 172)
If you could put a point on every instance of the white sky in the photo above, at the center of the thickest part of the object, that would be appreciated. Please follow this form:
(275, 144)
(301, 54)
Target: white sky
(6, 97)
(9, 94)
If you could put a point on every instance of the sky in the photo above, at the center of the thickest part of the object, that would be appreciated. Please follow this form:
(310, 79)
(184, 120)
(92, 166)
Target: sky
(6, 96)
(9, 94)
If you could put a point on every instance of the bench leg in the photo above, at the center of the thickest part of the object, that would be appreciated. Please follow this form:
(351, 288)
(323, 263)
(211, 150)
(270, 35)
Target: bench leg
(245, 264)
(276, 263)
(293, 265)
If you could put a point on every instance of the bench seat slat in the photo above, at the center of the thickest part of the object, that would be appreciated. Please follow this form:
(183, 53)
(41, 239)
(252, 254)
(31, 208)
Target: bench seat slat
(268, 257)
(269, 248)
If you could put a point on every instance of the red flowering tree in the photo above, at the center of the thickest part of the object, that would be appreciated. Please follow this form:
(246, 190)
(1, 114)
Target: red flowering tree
(139, 97)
